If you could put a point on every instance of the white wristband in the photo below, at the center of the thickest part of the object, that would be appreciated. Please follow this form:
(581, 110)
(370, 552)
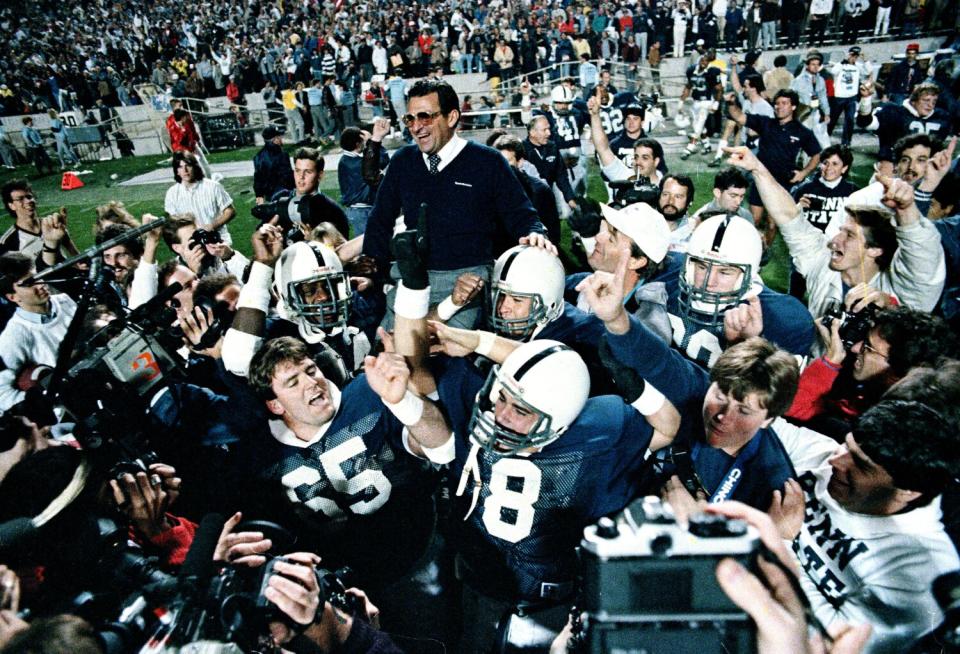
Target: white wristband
(650, 401)
(411, 304)
(408, 410)
(485, 345)
(255, 294)
(446, 309)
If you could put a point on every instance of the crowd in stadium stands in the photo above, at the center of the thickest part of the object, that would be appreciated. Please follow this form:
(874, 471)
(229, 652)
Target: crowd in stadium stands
(236, 48)
(418, 383)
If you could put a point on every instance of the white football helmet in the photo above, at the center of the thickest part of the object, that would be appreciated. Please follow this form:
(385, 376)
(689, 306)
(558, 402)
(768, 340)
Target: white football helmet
(526, 272)
(543, 378)
(561, 95)
(313, 289)
(722, 268)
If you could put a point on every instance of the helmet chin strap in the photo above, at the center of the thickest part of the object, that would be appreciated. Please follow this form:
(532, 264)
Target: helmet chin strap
(471, 469)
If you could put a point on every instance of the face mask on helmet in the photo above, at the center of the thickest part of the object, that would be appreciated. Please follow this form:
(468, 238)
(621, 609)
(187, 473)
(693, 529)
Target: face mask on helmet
(561, 98)
(721, 268)
(313, 287)
(525, 273)
(531, 399)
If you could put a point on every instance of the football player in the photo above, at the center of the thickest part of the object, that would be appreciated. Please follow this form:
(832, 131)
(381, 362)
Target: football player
(719, 299)
(346, 469)
(536, 461)
(314, 296)
(566, 123)
(703, 91)
(727, 447)
(918, 114)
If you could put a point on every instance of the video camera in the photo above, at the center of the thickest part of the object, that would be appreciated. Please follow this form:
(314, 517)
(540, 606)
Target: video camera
(281, 208)
(631, 559)
(225, 610)
(628, 191)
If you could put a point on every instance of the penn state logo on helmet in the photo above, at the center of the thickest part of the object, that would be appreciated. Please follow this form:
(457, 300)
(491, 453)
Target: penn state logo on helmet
(526, 292)
(722, 268)
(530, 399)
(313, 289)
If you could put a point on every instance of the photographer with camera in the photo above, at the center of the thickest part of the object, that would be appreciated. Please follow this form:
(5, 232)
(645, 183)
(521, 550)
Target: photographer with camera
(200, 250)
(861, 362)
(306, 206)
(343, 621)
(893, 250)
(206, 200)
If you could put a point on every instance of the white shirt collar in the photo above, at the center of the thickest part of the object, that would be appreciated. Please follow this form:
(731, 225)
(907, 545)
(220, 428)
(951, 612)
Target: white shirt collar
(448, 152)
(286, 436)
(832, 184)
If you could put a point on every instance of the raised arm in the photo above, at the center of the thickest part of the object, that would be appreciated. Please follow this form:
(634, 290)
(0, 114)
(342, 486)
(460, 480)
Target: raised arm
(777, 201)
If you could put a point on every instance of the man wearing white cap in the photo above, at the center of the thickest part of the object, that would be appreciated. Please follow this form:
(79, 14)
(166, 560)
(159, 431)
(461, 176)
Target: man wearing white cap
(644, 232)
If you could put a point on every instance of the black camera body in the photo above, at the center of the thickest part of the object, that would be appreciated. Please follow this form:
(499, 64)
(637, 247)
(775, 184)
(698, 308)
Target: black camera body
(854, 327)
(204, 237)
(281, 208)
(650, 585)
(627, 192)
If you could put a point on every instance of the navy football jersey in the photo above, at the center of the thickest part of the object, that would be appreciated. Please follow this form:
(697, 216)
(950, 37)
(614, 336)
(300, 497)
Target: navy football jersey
(351, 490)
(565, 130)
(531, 510)
(703, 82)
(786, 323)
(896, 121)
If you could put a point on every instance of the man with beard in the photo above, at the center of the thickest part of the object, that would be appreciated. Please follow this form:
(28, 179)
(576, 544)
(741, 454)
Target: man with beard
(121, 260)
(837, 387)
(676, 194)
(271, 167)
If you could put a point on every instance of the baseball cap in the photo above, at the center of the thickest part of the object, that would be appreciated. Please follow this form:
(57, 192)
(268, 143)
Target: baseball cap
(633, 108)
(272, 132)
(814, 54)
(643, 225)
(854, 50)
(913, 46)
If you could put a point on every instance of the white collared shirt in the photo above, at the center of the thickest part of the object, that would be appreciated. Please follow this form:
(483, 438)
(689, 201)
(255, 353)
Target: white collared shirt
(448, 152)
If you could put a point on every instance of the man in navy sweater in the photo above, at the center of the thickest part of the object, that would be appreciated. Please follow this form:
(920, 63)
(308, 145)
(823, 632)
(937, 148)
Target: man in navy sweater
(469, 192)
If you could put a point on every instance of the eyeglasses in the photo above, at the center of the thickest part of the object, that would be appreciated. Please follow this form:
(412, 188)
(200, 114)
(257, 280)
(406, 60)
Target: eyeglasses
(869, 348)
(424, 118)
(24, 198)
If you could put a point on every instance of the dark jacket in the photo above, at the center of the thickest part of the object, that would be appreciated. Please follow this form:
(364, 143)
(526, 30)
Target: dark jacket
(271, 171)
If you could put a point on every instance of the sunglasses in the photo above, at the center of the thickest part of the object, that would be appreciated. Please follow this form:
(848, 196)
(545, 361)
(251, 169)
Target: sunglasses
(424, 118)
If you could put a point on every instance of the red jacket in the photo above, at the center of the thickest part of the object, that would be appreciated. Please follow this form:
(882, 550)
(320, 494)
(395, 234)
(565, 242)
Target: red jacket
(182, 138)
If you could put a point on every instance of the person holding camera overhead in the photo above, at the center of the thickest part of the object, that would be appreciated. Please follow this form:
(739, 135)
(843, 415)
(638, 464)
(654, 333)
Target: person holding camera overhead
(193, 193)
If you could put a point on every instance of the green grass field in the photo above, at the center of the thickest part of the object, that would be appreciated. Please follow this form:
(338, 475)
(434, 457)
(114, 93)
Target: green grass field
(100, 188)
